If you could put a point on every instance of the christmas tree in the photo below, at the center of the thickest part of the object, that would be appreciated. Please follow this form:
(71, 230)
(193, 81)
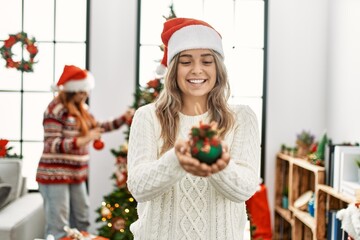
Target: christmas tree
(118, 209)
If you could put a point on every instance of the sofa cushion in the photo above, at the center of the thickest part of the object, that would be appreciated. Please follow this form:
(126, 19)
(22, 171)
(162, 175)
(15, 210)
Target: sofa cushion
(5, 189)
(10, 172)
(23, 219)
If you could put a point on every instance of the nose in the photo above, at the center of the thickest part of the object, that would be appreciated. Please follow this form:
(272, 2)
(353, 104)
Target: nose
(197, 69)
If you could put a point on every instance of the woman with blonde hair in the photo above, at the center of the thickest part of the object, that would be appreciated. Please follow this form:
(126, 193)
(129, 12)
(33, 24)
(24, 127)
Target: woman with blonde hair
(178, 196)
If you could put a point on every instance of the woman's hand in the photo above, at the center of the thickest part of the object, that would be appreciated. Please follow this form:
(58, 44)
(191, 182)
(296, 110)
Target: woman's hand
(223, 161)
(194, 166)
(128, 115)
(92, 135)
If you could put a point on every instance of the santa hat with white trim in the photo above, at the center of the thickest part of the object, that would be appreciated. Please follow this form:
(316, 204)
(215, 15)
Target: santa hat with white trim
(75, 79)
(181, 34)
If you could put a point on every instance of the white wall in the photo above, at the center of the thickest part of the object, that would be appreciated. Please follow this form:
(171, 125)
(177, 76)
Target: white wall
(344, 71)
(313, 76)
(297, 62)
(112, 61)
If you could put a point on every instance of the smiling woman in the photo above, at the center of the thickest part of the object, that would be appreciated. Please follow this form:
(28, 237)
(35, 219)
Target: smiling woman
(242, 26)
(173, 189)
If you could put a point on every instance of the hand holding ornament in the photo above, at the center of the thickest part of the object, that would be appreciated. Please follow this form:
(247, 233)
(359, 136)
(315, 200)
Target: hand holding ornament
(204, 153)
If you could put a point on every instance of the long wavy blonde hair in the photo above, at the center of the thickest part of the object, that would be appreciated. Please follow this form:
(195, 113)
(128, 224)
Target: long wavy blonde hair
(169, 103)
(85, 120)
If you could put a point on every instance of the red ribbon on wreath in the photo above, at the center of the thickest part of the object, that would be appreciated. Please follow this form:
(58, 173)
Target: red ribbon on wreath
(30, 46)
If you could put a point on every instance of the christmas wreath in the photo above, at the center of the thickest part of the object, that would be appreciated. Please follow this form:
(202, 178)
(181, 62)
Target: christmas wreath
(6, 53)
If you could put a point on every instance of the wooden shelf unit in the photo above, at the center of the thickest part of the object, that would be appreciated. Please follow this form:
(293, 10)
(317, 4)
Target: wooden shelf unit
(298, 176)
(327, 199)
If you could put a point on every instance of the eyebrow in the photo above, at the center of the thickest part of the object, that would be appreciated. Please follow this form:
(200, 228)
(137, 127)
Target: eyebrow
(202, 55)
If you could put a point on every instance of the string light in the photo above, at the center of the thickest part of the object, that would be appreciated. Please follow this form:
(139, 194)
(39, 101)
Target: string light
(127, 210)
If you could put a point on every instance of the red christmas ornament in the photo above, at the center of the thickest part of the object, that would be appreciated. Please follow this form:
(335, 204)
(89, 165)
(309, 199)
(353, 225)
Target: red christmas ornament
(98, 144)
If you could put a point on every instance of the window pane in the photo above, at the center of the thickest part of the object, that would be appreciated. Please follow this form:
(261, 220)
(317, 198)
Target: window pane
(245, 67)
(152, 21)
(31, 156)
(149, 60)
(34, 107)
(39, 19)
(11, 15)
(42, 77)
(220, 15)
(10, 78)
(189, 8)
(71, 20)
(69, 54)
(10, 125)
(249, 24)
(153, 13)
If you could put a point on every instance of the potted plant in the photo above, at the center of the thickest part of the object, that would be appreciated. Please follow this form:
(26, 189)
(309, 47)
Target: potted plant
(5, 151)
(283, 148)
(304, 140)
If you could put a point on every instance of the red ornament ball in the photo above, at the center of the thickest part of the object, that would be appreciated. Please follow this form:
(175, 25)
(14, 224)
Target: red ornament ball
(98, 144)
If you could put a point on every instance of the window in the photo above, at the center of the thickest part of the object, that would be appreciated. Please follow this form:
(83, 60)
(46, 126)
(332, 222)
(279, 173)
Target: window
(242, 26)
(60, 29)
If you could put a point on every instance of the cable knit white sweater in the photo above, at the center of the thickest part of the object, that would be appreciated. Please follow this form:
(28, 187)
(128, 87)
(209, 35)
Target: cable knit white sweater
(173, 204)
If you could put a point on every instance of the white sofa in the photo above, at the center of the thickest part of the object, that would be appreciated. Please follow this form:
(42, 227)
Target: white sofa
(21, 213)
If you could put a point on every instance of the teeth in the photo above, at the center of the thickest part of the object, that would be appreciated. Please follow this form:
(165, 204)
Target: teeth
(197, 80)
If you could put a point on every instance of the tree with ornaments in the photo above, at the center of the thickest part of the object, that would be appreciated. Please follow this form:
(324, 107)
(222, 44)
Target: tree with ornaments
(118, 209)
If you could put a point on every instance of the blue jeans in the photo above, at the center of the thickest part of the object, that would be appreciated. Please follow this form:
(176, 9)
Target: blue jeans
(65, 205)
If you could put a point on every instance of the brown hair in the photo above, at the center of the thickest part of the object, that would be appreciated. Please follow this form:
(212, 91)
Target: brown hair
(85, 120)
(169, 102)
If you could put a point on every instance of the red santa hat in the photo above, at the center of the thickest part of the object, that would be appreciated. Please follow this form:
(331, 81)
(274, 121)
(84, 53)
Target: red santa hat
(181, 34)
(75, 79)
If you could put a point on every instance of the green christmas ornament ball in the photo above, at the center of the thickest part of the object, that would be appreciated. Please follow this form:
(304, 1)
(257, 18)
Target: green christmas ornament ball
(209, 157)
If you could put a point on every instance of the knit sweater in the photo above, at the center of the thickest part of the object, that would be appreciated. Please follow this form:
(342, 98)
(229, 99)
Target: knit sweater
(62, 161)
(173, 204)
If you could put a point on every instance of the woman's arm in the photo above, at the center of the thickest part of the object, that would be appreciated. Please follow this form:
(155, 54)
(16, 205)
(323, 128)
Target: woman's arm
(148, 175)
(240, 179)
(116, 123)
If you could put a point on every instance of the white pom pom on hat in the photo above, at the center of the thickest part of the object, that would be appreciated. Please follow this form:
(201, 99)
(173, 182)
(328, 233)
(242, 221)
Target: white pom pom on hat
(180, 34)
(74, 79)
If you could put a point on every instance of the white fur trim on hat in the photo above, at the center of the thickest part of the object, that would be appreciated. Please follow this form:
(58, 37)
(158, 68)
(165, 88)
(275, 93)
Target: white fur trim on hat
(83, 85)
(160, 70)
(194, 37)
